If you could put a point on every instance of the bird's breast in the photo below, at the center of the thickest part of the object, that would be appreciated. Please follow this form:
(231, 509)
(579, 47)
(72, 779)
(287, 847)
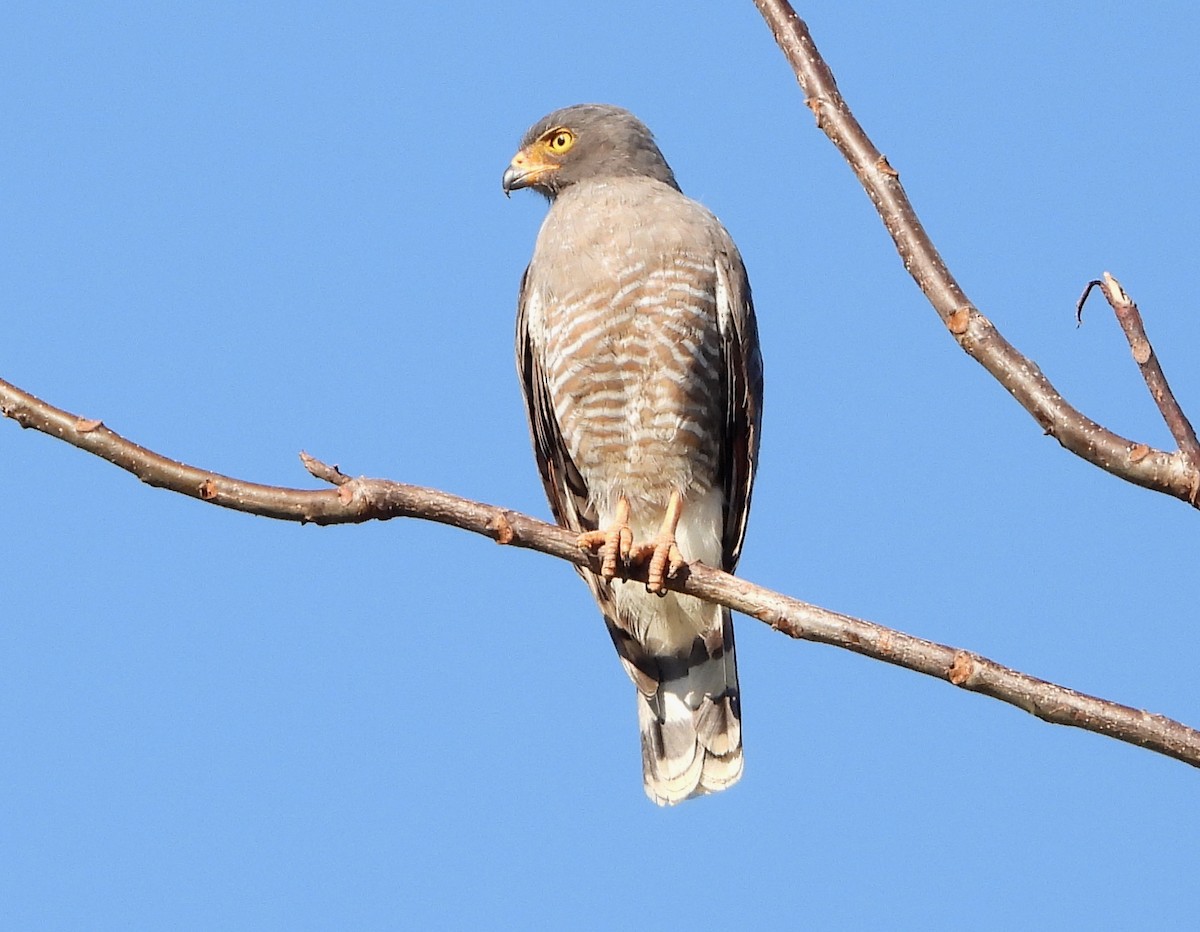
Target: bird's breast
(632, 358)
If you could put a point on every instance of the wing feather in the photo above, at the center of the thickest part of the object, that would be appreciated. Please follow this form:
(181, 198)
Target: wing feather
(564, 485)
(743, 398)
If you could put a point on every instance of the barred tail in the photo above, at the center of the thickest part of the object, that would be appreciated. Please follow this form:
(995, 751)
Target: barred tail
(691, 722)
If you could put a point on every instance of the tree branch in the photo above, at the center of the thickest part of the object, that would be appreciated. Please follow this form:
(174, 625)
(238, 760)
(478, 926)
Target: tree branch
(354, 500)
(1130, 319)
(358, 500)
(1171, 473)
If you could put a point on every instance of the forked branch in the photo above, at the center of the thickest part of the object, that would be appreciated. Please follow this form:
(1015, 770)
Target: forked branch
(1130, 319)
(357, 500)
(1174, 474)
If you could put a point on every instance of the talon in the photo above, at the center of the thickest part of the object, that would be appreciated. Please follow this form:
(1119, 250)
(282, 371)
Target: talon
(613, 544)
(665, 562)
(677, 563)
(665, 558)
(625, 544)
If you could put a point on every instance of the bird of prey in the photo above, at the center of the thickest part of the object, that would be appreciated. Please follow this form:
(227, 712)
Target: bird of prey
(638, 356)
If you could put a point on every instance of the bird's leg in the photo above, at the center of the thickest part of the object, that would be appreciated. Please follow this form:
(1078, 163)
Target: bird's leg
(616, 542)
(665, 558)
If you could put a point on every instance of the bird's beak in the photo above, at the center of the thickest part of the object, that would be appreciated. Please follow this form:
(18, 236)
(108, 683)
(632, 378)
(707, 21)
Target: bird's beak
(525, 170)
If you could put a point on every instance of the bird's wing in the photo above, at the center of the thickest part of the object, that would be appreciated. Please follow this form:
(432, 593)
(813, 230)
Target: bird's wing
(743, 397)
(564, 485)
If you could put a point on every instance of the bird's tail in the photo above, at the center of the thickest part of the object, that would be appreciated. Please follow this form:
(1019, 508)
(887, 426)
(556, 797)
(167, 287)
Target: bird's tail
(691, 720)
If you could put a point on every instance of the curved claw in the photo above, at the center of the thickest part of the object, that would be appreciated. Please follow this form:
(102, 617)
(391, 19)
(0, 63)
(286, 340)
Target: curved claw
(613, 544)
(665, 558)
(665, 562)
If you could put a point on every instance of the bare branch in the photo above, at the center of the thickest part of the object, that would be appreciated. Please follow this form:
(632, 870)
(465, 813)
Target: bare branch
(1130, 319)
(357, 500)
(1171, 473)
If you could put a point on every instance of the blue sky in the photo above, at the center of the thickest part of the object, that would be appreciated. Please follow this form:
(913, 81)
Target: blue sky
(235, 231)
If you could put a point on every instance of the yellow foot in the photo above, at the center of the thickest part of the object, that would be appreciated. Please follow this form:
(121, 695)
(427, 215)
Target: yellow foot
(664, 555)
(665, 561)
(613, 544)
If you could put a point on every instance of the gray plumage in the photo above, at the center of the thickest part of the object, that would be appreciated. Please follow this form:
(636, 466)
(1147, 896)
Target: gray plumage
(638, 355)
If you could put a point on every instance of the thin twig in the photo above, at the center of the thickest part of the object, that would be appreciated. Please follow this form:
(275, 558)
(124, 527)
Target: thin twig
(323, 471)
(1130, 319)
(357, 500)
(1171, 473)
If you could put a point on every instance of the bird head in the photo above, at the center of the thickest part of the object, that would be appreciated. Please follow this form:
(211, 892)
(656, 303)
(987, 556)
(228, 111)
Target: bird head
(586, 142)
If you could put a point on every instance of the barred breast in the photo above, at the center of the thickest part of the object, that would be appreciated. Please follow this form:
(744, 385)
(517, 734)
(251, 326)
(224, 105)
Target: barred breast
(631, 349)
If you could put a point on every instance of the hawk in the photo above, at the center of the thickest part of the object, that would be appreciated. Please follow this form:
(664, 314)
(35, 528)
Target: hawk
(638, 356)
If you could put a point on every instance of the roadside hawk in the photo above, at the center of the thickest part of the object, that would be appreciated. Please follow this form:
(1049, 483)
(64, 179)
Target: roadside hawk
(639, 361)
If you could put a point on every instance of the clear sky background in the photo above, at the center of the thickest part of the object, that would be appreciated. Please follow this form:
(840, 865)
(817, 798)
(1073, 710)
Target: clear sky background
(234, 231)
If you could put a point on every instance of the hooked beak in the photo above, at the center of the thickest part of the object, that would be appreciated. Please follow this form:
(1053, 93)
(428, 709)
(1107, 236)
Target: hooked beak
(525, 171)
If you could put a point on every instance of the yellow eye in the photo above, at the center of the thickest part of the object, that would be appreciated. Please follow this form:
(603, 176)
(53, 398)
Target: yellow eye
(559, 141)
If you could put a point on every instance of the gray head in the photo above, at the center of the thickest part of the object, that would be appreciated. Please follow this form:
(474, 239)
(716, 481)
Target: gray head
(585, 143)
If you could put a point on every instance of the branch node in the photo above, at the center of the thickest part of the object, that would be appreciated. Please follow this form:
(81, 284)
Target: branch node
(883, 166)
(208, 489)
(959, 321)
(1142, 353)
(1130, 319)
(502, 528)
(817, 106)
(86, 425)
(1139, 452)
(962, 668)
